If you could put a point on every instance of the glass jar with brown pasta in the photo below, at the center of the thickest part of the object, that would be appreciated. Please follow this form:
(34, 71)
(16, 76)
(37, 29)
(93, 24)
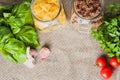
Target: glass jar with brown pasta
(87, 12)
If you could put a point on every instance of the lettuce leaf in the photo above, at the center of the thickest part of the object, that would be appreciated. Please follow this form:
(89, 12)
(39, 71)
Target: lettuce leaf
(16, 31)
(23, 11)
(5, 34)
(22, 17)
(16, 48)
(11, 48)
(15, 23)
(9, 57)
(28, 35)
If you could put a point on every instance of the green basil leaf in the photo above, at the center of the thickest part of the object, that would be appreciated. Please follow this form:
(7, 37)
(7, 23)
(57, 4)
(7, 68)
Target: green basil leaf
(9, 57)
(20, 57)
(15, 23)
(16, 48)
(28, 36)
(5, 34)
(23, 11)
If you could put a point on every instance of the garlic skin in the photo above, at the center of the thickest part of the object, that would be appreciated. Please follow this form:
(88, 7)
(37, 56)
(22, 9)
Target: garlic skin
(33, 53)
(30, 62)
(44, 53)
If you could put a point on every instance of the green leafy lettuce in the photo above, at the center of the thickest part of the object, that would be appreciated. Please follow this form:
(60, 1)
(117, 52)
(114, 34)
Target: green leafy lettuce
(16, 48)
(21, 22)
(16, 31)
(25, 36)
(20, 15)
(18, 19)
(11, 48)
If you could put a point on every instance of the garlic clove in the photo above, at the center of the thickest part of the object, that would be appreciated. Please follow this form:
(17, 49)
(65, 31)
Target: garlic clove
(30, 62)
(44, 53)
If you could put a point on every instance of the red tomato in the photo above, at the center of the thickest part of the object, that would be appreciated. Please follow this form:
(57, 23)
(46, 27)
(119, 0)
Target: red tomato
(114, 62)
(106, 72)
(101, 62)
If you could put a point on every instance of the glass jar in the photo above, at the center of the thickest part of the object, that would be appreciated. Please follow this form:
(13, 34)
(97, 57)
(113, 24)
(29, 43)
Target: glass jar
(87, 14)
(48, 15)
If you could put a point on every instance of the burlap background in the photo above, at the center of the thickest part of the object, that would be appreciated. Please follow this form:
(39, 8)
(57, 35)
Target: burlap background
(72, 57)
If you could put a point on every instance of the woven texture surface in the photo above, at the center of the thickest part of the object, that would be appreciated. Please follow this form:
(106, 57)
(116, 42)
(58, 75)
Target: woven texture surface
(72, 57)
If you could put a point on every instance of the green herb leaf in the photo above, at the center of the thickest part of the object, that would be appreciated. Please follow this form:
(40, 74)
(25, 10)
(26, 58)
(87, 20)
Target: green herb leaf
(5, 34)
(17, 49)
(9, 57)
(108, 34)
(28, 36)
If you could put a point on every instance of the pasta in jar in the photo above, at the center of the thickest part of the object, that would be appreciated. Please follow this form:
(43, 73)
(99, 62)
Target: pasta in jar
(48, 14)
